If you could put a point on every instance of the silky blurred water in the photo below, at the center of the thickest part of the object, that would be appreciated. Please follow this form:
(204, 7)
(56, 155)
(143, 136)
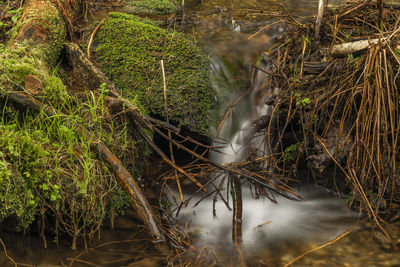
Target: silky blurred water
(266, 226)
(234, 32)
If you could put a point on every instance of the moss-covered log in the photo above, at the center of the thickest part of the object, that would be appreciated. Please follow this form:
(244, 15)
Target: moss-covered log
(30, 55)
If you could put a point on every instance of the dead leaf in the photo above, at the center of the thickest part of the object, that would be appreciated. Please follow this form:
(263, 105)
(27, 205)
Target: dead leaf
(32, 84)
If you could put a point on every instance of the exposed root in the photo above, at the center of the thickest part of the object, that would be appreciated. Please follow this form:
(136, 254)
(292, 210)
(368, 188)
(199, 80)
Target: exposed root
(347, 106)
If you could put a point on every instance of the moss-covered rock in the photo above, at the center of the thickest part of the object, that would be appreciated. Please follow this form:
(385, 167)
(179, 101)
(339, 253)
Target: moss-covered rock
(129, 52)
(152, 7)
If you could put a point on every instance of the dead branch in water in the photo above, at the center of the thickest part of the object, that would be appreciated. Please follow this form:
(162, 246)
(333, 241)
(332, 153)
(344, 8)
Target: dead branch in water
(237, 212)
(6, 254)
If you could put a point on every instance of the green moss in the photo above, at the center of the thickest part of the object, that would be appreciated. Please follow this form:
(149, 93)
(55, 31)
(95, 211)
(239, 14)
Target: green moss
(22, 168)
(51, 168)
(17, 62)
(154, 7)
(291, 152)
(129, 52)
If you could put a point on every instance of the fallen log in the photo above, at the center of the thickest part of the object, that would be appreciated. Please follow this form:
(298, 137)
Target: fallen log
(42, 26)
(125, 179)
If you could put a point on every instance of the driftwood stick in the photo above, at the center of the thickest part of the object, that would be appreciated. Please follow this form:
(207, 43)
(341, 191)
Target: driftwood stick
(352, 47)
(125, 179)
(321, 5)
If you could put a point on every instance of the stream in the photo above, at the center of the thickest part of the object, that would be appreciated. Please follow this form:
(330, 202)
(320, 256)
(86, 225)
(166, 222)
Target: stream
(234, 32)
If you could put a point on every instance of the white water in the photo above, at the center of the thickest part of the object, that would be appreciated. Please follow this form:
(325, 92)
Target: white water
(265, 224)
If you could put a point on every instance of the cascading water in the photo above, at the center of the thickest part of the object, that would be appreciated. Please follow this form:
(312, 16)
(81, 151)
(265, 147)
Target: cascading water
(265, 224)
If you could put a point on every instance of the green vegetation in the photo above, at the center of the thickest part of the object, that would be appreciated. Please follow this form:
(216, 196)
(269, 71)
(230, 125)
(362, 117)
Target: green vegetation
(24, 173)
(154, 7)
(291, 152)
(46, 165)
(51, 169)
(129, 52)
(303, 102)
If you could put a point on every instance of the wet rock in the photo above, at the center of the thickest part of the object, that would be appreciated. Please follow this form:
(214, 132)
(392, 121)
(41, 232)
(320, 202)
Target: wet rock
(338, 147)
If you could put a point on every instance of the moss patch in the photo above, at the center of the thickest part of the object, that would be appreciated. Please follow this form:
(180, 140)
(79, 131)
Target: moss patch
(129, 52)
(51, 169)
(153, 7)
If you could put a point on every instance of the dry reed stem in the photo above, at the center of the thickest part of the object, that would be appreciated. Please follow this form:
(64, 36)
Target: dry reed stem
(169, 132)
(317, 248)
(92, 37)
(357, 96)
(351, 176)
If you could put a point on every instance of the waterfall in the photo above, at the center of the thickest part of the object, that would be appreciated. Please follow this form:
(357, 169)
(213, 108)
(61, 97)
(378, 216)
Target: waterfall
(264, 224)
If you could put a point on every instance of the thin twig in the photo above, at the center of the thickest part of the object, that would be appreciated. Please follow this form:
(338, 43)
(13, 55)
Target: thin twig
(5, 253)
(92, 36)
(318, 248)
(169, 132)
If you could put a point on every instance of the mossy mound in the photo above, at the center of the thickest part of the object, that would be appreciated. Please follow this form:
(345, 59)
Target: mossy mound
(152, 7)
(46, 165)
(129, 52)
